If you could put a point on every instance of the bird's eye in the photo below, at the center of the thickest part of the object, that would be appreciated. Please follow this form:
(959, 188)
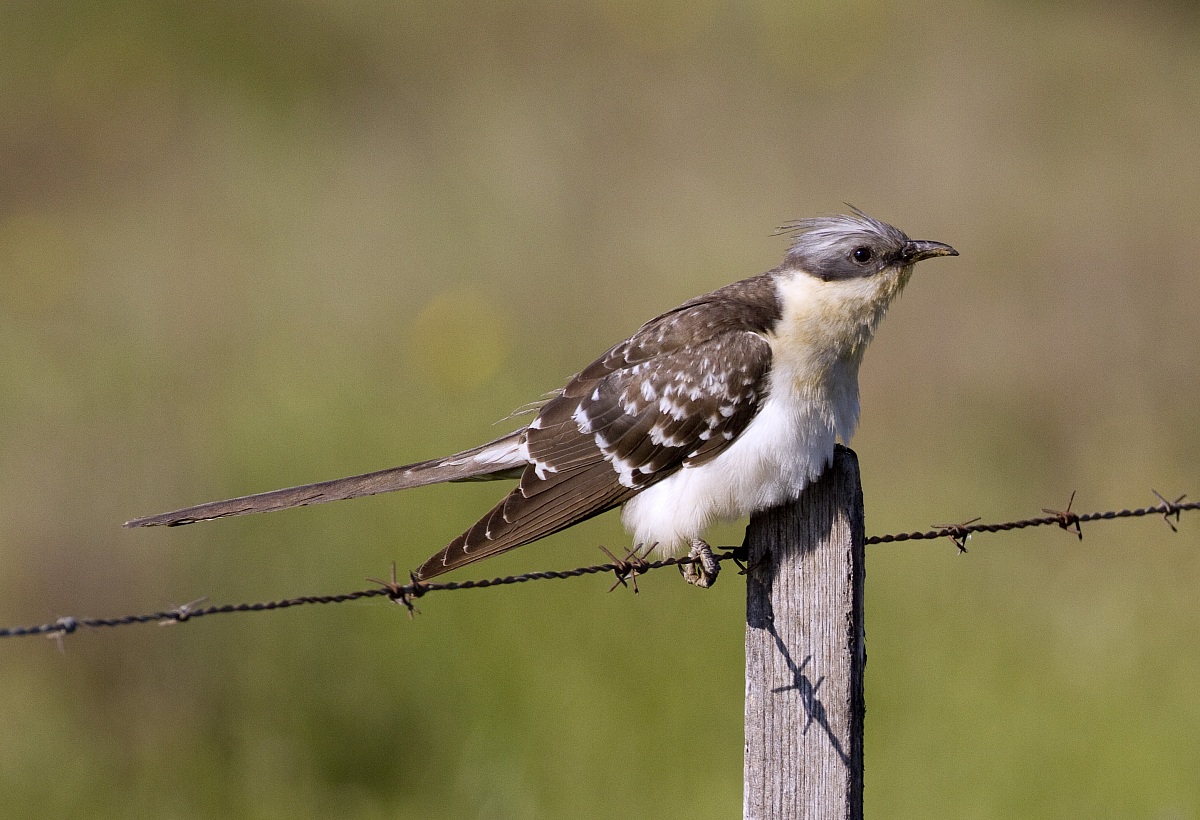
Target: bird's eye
(862, 255)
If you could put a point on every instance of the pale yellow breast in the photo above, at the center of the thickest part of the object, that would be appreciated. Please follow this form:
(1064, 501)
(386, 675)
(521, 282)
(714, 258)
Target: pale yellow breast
(827, 325)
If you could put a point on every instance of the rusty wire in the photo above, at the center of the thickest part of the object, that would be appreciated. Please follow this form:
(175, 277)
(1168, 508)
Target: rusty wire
(625, 569)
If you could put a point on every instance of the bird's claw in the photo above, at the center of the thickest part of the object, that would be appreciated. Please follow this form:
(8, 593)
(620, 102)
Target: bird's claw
(705, 567)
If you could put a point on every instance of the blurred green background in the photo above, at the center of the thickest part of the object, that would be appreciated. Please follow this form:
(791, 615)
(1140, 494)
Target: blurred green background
(246, 245)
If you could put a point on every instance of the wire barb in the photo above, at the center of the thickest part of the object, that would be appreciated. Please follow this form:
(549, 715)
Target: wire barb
(1170, 508)
(960, 534)
(181, 613)
(1068, 520)
(401, 594)
(625, 569)
(629, 567)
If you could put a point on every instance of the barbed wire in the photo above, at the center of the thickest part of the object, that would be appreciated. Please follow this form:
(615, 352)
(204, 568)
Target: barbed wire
(625, 569)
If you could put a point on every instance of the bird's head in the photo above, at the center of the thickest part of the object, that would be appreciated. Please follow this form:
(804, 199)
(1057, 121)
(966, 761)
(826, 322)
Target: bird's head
(839, 277)
(856, 247)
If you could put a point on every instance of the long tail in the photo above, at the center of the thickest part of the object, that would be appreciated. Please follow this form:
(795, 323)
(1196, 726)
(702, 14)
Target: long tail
(501, 458)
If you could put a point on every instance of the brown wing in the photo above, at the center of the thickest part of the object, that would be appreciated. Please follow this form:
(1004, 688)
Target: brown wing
(676, 393)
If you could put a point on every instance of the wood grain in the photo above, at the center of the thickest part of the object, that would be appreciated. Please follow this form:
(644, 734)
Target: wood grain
(806, 652)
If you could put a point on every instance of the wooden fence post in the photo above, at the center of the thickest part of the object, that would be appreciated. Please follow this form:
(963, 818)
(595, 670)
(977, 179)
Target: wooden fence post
(806, 651)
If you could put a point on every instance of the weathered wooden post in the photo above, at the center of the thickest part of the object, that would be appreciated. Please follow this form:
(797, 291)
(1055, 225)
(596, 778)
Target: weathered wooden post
(806, 651)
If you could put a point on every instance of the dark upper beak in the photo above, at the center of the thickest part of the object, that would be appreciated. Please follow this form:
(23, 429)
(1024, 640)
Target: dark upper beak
(917, 249)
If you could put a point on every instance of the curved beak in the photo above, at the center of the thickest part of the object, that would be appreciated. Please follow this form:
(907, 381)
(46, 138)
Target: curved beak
(917, 249)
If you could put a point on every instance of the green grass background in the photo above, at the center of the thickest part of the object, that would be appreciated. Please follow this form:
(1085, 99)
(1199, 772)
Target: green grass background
(246, 245)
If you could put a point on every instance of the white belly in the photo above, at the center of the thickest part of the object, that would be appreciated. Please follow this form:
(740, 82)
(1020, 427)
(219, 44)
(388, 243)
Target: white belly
(787, 445)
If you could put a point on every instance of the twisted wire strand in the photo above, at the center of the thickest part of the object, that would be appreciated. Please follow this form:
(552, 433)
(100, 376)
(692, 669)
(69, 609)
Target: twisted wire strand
(625, 570)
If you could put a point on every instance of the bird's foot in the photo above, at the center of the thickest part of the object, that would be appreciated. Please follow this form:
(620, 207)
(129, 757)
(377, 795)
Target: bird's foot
(704, 570)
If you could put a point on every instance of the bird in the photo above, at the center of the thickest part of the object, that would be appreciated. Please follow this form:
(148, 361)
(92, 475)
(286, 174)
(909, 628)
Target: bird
(729, 404)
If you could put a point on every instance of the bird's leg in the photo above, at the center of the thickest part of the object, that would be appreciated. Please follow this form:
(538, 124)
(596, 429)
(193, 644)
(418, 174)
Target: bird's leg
(702, 572)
